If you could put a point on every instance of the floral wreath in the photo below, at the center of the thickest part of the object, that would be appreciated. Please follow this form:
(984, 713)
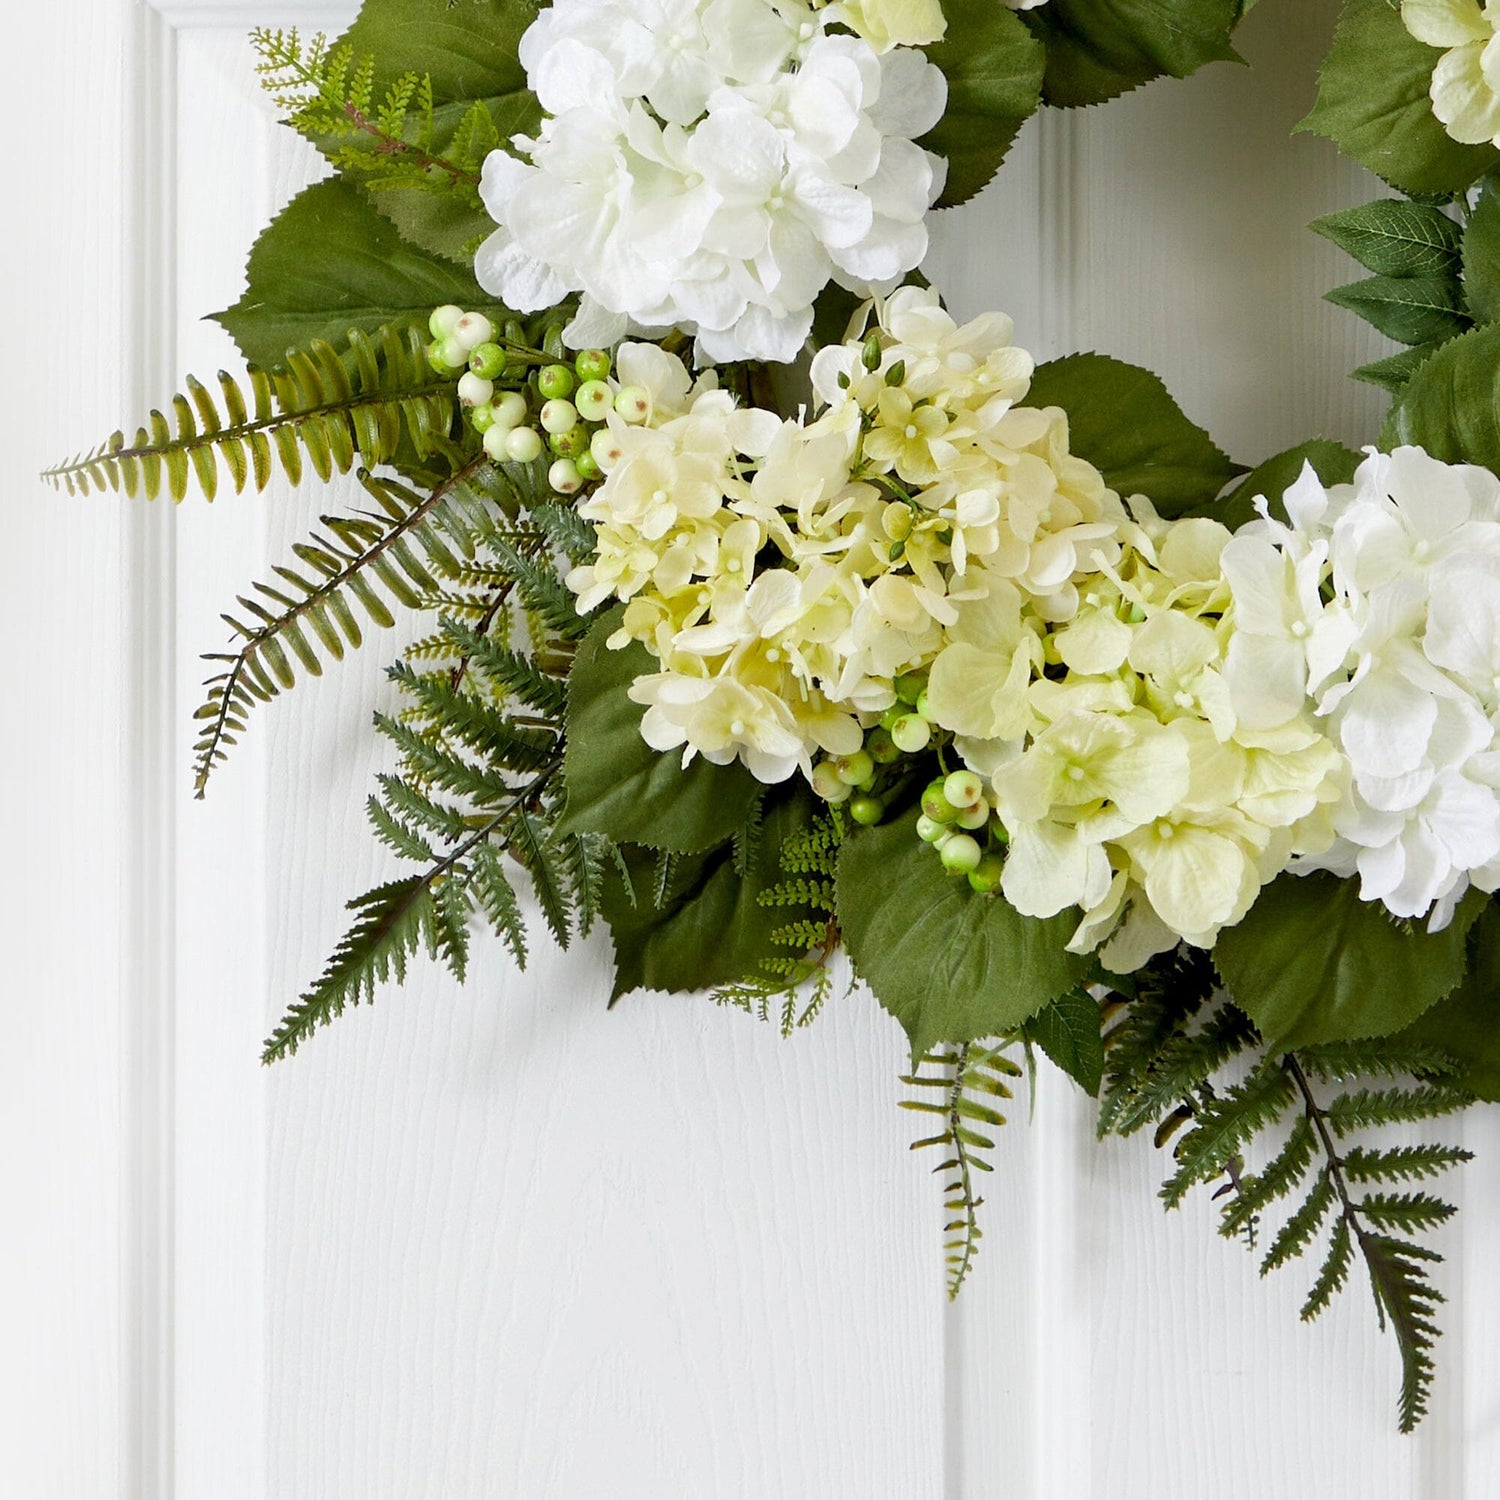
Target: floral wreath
(772, 612)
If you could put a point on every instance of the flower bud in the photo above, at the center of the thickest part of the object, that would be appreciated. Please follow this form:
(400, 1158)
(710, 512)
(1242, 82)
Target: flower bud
(869, 352)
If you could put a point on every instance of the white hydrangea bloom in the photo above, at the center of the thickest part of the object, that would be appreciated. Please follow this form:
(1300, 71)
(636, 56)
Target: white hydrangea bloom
(1466, 81)
(709, 165)
(1386, 596)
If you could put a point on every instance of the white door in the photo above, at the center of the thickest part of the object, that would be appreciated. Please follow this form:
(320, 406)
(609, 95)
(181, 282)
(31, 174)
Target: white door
(494, 1243)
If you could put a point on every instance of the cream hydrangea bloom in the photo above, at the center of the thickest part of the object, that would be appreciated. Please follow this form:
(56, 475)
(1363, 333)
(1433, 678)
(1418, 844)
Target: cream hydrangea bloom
(1466, 81)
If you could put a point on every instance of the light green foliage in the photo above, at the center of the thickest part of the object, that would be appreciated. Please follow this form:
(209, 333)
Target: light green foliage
(408, 103)
(1121, 418)
(1481, 255)
(480, 755)
(1097, 49)
(1451, 404)
(994, 69)
(1332, 462)
(949, 965)
(328, 263)
(618, 785)
(325, 409)
(793, 986)
(963, 1086)
(1313, 963)
(1373, 104)
(1293, 1111)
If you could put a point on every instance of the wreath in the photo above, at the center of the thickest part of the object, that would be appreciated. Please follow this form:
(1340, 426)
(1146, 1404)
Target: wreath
(770, 612)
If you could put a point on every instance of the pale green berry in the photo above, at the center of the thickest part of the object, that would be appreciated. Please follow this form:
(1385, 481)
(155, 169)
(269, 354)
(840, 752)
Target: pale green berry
(973, 817)
(828, 784)
(985, 878)
(633, 403)
(482, 418)
(605, 447)
(440, 366)
(881, 746)
(961, 854)
(509, 408)
(472, 391)
(564, 477)
(911, 733)
(929, 830)
(936, 806)
(867, 810)
(963, 789)
(588, 467)
(910, 685)
(856, 769)
(594, 400)
(573, 443)
(472, 330)
(523, 445)
(924, 707)
(593, 364)
(487, 361)
(555, 382)
(444, 321)
(559, 415)
(897, 710)
(496, 439)
(453, 354)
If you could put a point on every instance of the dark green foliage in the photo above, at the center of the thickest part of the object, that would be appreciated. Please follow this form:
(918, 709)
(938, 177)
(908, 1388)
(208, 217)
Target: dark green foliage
(330, 262)
(1332, 462)
(1451, 404)
(1068, 1031)
(1167, 1055)
(1393, 237)
(793, 985)
(1373, 104)
(994, 69)
(1409, 309)
(1122, 419)
(1097, 49)
(963, 1084)
(950, 966)
(325, 408)
(1481, 255)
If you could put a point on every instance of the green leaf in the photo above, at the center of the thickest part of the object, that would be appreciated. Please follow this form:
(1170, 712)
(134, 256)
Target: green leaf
(1097, 49)
(950, 965)
(1395, 372)
(1313, 963)
(617, 784)
(1451, 405)
(1481, 254)
(1068, 1032)
(1467, 1023)
(994, 69)
(1409, 309)
(1332, 462)
(468, 50)
(1373, 104)
(710, 928)
(330, 263)
(1393, 237)
(1121, 418)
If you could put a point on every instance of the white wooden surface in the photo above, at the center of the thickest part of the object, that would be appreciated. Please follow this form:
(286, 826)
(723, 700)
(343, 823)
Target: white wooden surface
(495, 1242)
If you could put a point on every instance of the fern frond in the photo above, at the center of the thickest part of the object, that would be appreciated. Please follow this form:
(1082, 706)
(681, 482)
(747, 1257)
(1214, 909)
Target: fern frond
(963, 1078)
(393, 140)
(322, 410)
(362, 561)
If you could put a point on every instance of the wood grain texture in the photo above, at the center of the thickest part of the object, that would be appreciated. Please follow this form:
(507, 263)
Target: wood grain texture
(1107, 1349)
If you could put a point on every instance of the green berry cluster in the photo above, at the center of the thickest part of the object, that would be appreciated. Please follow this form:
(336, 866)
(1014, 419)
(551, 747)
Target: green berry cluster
(525, 404)
(956, 818)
